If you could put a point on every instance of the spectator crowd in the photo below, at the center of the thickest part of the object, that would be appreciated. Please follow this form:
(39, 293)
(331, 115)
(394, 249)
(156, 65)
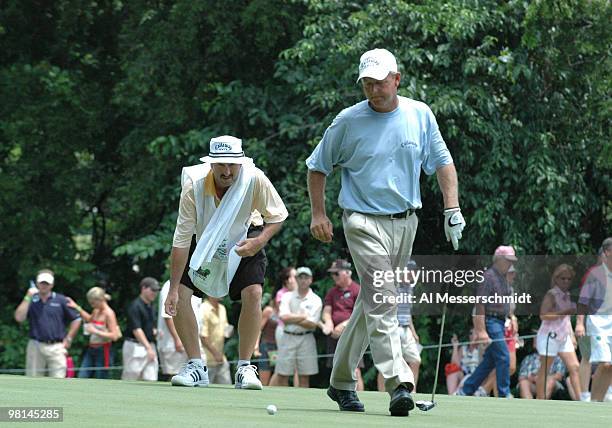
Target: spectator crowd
(300, 331)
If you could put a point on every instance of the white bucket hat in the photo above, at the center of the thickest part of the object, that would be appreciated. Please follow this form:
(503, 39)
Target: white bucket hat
(226, 149)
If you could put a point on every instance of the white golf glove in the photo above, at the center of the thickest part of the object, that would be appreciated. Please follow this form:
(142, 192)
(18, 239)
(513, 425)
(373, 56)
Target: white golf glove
(453, 225)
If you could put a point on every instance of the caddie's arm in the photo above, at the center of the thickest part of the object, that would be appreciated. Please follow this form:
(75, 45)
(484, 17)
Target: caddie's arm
(320, 225)
(250, 246)
(183, 233)
(453, 219)
(178, 261)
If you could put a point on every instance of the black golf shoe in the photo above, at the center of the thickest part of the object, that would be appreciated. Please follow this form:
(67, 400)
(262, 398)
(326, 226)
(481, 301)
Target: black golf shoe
(401, 401)
(347, 400)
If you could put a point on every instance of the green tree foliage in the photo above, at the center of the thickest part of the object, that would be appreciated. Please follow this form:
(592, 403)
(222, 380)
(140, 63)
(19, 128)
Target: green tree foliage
(103, 103)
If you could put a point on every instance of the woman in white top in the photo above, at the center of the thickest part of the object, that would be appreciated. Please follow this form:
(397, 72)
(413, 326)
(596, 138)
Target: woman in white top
(555, 335)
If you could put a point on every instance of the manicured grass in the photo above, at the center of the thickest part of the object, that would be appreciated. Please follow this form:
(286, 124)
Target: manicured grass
(111, 403)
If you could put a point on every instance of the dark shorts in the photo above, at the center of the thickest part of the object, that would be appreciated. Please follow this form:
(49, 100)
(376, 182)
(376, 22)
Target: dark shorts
(268, 354)
(251, 270)
(331, 345)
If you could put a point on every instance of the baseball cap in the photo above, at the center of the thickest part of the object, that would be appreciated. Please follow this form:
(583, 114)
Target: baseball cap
(45, 277)
(507, 252)
(377, 64)
(339, 265)
(303, 270)
(150, 283)
(226, 149)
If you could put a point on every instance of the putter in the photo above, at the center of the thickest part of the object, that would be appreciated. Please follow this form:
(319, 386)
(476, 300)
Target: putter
(553, 335)
(427, 405)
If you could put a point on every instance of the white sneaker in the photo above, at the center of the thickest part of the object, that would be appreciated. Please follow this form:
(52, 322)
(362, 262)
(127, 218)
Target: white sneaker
(247, 378)
(191, 374)
(585, 396)
(459, 392)
(608, 397)
(480, 392)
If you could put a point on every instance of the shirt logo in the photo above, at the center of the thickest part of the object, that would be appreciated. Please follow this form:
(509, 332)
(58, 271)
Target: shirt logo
(408, 143)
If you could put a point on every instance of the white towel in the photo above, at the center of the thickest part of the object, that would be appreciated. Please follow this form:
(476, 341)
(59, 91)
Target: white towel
(215, 261)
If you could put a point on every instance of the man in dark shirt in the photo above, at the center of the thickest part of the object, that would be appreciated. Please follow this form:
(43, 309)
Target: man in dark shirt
(139, 351)
(48, 315)
(489, 322)
(338, 307)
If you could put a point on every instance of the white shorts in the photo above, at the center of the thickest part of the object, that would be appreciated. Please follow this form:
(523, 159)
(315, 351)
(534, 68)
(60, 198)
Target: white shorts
(410, 347)
(297, 352)
(601, 349)
(554, 345)
(136, 365)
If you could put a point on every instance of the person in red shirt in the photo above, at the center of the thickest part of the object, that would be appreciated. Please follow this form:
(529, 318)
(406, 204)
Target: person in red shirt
(338, 307)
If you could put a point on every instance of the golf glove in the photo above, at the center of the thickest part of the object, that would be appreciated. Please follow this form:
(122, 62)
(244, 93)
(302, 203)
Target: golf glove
(453, 225)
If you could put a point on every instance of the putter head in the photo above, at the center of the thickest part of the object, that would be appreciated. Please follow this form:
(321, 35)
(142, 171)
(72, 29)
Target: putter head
(425, 405)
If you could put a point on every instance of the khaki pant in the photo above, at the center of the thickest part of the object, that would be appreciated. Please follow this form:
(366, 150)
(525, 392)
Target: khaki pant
(45, 360)
(136, 365)
(410, 347)
(171, 361)
(376, 243)
(220, 374)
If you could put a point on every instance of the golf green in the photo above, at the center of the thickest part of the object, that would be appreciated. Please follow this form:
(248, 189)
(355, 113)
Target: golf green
(113, 403)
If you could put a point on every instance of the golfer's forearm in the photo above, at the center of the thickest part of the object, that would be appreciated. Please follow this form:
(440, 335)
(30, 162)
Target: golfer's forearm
(316, 190)
(178, 261)
(579, 320)
(447, 180)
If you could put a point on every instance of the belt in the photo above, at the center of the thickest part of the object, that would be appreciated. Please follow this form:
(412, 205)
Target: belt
(495, 315)
(396, 216)
(49, 342)
(298, 334)
(131, 339)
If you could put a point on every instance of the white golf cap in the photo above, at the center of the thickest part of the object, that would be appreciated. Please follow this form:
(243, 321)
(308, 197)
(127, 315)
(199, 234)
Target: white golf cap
(45, 277)
(226, 149)
(303, 270)
(377, 64)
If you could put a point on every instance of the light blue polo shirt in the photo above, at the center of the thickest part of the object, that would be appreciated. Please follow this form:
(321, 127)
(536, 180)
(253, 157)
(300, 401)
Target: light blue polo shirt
(381, 155)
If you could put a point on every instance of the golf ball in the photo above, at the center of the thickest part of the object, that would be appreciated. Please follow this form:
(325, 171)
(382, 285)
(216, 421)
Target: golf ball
(271, 409)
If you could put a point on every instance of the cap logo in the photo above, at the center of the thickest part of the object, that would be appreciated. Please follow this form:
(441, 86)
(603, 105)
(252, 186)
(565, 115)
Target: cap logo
(222, 147)
(367, 62)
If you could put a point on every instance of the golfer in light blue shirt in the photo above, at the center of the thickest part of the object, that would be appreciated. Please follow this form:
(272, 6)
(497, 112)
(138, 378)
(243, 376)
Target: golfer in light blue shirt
(380, 144)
